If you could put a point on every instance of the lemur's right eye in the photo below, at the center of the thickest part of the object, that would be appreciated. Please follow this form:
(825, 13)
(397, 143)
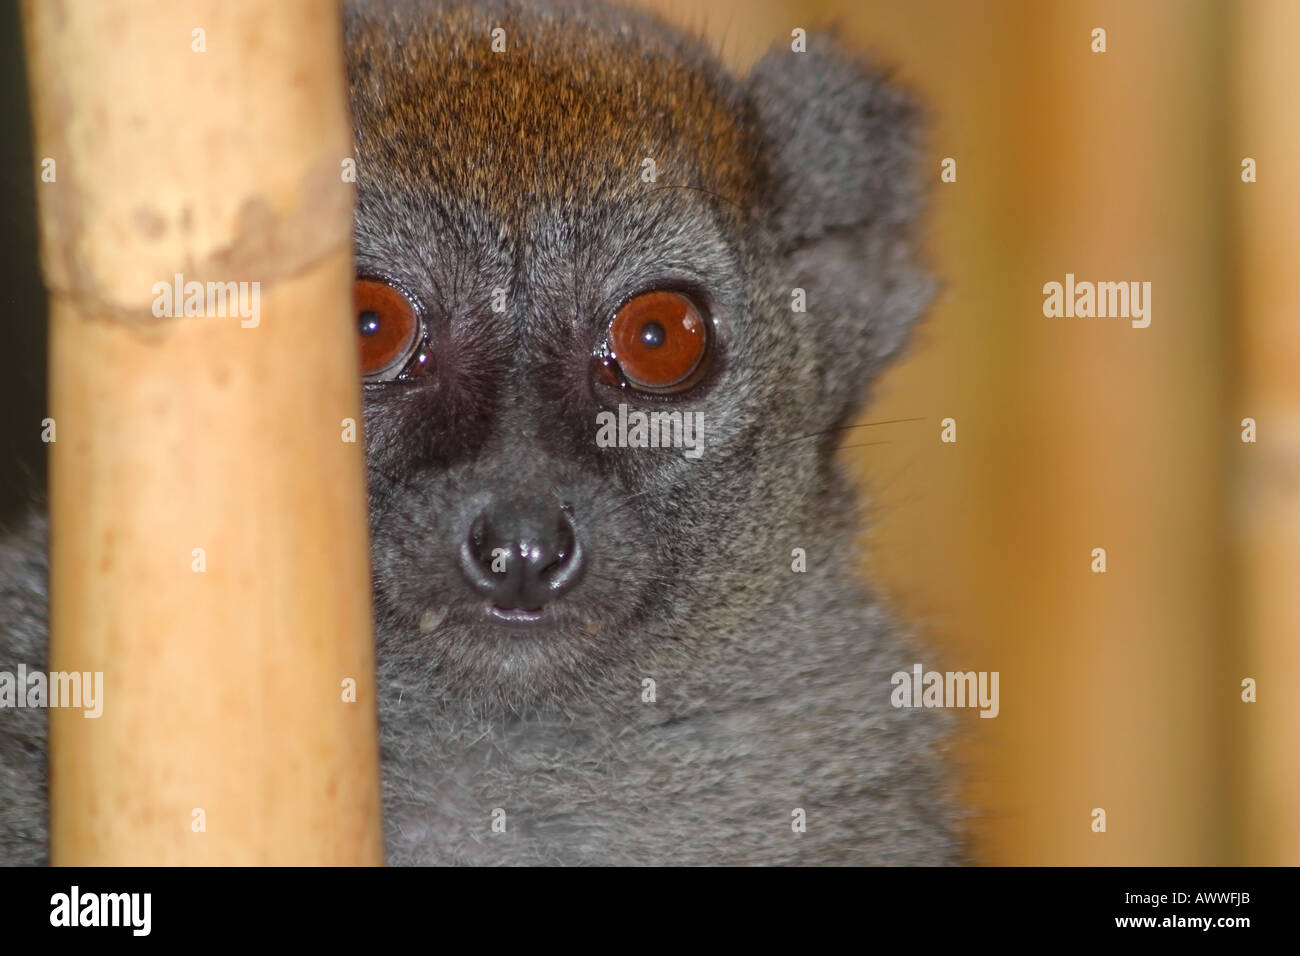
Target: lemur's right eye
(388, 329)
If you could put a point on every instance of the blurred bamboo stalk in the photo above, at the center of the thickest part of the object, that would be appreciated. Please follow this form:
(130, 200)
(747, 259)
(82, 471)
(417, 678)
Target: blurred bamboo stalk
(209, 548)
(1268, 250)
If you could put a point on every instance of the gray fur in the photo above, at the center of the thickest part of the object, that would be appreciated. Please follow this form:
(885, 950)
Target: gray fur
(22, 731)
(772, 687)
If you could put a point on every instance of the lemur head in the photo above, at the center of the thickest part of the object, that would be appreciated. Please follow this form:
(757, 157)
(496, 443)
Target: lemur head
(584, 211)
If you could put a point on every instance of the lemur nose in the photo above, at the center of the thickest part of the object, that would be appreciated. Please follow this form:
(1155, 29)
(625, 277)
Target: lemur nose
(521, 553)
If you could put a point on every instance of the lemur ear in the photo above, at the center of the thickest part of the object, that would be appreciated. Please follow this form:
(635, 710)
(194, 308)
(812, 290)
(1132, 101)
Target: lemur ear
(843, 196)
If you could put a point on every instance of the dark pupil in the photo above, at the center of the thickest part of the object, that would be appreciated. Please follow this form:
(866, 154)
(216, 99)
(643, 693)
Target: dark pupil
(652, 335)
(369, 320)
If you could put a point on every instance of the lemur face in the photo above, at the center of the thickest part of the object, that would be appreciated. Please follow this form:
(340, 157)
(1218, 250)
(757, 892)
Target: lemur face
(575, 226)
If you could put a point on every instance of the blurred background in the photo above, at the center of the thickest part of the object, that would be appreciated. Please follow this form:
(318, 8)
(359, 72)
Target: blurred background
(1122, 690)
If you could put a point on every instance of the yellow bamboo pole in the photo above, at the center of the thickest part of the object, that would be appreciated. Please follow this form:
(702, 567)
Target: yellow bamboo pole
(209, 551)
(1267, 247)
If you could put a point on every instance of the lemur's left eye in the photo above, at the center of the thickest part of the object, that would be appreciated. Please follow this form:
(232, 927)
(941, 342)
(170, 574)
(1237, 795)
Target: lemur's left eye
(660, 342)
(388, 329)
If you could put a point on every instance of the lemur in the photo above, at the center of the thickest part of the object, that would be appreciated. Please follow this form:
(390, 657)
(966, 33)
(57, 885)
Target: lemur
(595, 652)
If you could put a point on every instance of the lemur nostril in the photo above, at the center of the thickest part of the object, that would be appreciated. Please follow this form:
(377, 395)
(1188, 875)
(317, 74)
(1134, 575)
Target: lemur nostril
(555, 566)
(563, 542)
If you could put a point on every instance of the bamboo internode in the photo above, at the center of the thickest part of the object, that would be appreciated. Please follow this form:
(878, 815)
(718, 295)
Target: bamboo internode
(209, 545)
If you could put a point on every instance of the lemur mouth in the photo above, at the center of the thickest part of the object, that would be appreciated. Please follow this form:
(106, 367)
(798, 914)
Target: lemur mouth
(516, 616)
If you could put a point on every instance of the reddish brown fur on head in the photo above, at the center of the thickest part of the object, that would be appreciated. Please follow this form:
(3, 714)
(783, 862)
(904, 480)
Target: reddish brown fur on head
(564, 115)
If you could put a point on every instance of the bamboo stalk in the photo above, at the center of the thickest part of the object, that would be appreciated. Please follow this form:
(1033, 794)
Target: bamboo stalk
(208, 547)
(1267, 246)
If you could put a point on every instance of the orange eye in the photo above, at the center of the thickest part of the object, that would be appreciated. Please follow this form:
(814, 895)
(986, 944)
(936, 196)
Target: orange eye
(387, 327)
(660, 340)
